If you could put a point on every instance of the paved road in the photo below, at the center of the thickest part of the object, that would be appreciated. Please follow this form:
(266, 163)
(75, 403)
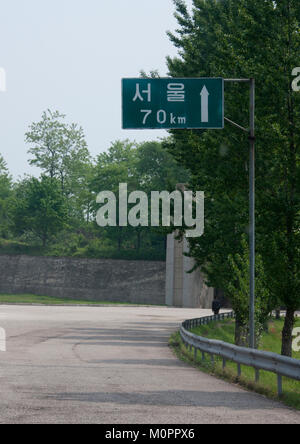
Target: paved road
(112, 365)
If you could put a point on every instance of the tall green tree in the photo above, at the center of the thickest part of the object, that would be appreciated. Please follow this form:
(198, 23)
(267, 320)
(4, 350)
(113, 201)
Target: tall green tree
(238, 290)
(232, 39)
(39, 208)
(116, 166)
(5, 195)
(59, 149)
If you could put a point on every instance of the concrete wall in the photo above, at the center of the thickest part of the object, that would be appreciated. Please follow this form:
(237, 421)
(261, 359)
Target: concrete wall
(185, 289)
(86, 279)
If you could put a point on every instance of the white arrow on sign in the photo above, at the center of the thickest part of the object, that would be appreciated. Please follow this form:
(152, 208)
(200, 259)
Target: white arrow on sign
(204, 104)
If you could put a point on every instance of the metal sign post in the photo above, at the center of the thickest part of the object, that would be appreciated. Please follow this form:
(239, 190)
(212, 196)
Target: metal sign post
(174, 103)
(252, 213)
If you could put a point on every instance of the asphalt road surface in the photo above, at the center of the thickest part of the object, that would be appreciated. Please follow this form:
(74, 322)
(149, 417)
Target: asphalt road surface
(112, 365)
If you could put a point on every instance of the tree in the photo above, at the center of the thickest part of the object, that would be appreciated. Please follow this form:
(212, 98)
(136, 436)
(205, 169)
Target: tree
(143, 167)
(5, 194)
(59, 149)
(232, 39)
(157, 171)
(39, 208)
(116, 166)
(238, 290)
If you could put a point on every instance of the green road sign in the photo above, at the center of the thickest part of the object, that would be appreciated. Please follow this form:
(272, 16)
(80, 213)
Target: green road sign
(173, 103)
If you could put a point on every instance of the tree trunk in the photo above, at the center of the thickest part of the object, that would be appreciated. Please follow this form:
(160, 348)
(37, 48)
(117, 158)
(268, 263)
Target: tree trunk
(239, 330)
(287, 333)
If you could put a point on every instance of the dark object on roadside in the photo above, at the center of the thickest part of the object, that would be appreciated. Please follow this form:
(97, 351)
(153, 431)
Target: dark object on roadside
(216, 307)
(278, 314)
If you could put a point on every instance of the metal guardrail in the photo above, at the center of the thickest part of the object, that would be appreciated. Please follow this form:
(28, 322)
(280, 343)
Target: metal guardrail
(259, 360)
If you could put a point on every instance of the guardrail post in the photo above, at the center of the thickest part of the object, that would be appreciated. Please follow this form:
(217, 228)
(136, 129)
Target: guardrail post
(279, 383)
(224, 364)
(203, 356)
(257, 375)
(239, 369)
(195, 354)
(212, 360)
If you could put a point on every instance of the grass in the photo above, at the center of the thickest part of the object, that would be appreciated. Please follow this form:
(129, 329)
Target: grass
(48, 300)
(224, 331)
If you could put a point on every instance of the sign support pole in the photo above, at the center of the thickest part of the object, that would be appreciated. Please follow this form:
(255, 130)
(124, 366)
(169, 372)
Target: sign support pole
(252, 213)
(251, 133)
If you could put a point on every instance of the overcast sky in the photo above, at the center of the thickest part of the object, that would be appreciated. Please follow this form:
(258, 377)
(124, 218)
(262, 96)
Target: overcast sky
(70, 55)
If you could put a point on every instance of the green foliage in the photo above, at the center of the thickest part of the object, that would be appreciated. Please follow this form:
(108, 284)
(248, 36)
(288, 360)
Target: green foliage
(60, 151)
(145, 167)
(60, 208)
(238, 291)
(5, 195)
(157, 169)
(39, 208)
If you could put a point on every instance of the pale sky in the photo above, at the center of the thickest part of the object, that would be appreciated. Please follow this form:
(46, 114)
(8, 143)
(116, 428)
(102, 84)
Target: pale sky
(70, 56)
